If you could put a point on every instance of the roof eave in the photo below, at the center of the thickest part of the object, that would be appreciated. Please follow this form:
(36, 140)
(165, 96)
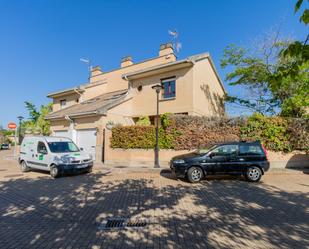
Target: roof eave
(92, 113)
(141, 73)
(65, 92)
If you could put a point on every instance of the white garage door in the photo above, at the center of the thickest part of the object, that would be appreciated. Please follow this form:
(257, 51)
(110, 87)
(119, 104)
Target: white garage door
(62, 134)
(87, 139)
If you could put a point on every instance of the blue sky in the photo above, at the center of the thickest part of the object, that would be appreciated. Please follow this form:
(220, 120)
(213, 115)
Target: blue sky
(41, 41)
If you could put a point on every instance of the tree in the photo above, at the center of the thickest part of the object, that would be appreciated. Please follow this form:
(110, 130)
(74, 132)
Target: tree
(37, 118)
(274, 77)
(299, 49)
(259, 72)
(33, 113)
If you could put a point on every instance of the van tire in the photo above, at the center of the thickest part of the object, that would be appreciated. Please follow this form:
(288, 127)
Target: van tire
(24, 167)
(54, 171)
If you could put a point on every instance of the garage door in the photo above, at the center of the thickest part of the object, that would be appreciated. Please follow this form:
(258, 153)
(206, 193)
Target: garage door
(87, 139)
(62, 134)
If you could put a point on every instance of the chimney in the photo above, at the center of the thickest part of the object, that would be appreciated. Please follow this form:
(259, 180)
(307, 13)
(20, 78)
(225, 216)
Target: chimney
(95, 71)
(167, 50)
(126, 61)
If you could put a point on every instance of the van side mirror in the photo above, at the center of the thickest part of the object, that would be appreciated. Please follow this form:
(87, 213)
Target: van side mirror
(44, 152)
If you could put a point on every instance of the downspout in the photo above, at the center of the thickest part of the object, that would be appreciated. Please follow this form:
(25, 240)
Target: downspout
(71, 127)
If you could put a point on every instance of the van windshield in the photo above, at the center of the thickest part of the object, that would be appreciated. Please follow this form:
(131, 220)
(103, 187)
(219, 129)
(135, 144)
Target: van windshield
(62, 147)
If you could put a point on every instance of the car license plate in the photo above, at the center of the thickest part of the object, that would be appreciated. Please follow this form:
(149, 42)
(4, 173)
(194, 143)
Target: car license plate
(82, 166)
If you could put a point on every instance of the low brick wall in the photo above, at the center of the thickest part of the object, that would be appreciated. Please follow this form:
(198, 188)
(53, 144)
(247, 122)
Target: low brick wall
(142, 157)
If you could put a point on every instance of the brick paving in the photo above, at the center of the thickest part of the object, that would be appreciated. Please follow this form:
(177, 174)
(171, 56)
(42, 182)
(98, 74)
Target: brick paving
(221, 212)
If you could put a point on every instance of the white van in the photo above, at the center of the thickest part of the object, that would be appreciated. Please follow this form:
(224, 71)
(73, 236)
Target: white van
(57, 155)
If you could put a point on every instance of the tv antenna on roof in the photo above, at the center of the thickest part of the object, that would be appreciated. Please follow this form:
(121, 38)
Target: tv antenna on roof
(88, 62)
(176, 44)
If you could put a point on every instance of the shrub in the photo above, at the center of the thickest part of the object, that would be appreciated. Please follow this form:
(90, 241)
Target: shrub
(191, 132)
(141, 137)
(144, 121)
(271, 131)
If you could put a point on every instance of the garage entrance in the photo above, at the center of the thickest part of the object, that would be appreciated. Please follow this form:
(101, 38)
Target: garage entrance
(87, 140)
(62, 134)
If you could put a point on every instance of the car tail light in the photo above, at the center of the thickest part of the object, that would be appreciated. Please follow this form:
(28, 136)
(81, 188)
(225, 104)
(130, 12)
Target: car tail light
(265, 151)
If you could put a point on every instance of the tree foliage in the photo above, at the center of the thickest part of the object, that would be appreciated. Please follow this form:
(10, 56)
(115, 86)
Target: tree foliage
(274, 74)
(263, 75)
(37, 122)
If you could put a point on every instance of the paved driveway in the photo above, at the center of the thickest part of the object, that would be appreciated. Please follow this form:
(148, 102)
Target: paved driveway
(39, 212)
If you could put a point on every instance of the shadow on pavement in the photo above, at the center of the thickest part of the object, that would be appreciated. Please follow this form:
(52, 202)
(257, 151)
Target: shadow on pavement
(67, 212)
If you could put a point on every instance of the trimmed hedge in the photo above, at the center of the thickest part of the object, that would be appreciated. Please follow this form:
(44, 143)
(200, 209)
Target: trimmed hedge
(181, 132)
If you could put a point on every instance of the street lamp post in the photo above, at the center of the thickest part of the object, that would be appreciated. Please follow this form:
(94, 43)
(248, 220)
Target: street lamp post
(20, 118)
(157, 88)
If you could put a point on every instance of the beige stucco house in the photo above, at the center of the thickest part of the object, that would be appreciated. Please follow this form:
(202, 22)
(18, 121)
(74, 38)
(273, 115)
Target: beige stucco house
(190, 86)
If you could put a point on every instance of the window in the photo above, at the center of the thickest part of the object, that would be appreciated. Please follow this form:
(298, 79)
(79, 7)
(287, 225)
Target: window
(63, 102)
(41, 148)
(250, 150)
(62, 147)
(169, 88)
(225, 150)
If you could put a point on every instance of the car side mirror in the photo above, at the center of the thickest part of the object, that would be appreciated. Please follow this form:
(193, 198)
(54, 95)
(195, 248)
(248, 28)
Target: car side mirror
(81, 148)
(211, 155)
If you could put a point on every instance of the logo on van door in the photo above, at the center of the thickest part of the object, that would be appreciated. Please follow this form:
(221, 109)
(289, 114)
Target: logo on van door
(41, 157)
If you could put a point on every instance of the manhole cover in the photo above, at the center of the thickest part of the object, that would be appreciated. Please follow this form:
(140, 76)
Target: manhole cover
(117, 223)
(16, 175)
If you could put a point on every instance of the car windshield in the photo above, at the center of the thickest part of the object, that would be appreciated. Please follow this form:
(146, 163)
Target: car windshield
(62, 147)
(205, 150)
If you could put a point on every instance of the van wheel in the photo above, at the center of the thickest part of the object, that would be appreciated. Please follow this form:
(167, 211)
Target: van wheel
(54, 172)
(195, 174)
(24, 167)
(253, 174)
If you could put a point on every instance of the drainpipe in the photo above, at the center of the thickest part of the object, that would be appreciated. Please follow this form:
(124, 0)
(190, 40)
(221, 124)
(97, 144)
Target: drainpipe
(71, 128)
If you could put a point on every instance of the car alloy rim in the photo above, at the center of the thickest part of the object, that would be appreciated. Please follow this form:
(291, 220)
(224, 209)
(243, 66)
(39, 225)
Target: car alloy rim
(196, 174)
(254, 173)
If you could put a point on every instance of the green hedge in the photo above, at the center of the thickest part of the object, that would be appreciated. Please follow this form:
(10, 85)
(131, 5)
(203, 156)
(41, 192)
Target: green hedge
(141, 137)
(190, 132)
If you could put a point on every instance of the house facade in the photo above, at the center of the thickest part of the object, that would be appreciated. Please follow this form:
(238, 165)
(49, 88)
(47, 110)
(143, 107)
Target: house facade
(190, 86)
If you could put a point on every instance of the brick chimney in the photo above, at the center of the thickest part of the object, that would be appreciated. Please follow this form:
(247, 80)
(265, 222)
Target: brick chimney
(126, 61)
(167, 50)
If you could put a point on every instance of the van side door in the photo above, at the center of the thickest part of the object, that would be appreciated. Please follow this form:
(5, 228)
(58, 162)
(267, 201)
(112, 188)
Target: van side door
(41, 156)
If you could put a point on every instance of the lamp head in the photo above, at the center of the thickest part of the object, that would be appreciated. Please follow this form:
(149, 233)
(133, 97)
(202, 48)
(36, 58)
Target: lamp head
(157, 87)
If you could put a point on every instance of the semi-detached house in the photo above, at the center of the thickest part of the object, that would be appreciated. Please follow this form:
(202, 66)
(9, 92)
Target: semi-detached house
(190, 86)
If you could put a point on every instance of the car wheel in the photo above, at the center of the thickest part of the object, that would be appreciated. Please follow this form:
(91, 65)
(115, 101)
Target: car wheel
(54, 171)
(24, 167)
(253, 174)
(195, 174)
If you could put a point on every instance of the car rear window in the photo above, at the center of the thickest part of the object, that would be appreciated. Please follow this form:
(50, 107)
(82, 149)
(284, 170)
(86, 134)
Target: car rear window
(250, 149)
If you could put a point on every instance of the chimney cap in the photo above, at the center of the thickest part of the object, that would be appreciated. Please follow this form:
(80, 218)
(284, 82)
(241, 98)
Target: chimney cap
(166, 45)
(96, 68)
(126, 58)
